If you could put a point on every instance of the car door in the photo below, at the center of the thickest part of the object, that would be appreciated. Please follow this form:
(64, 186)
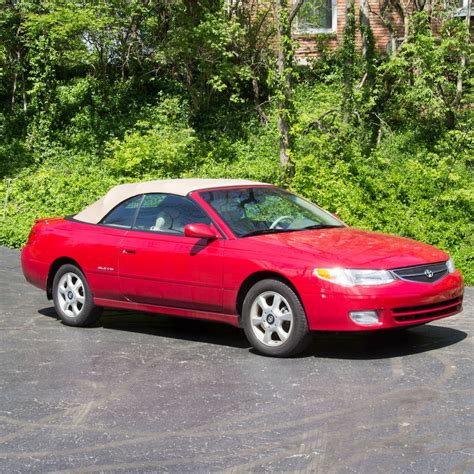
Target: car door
(159, 265)
(97, 248)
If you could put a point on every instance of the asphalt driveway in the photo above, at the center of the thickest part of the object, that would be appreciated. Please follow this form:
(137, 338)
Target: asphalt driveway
(150, 393)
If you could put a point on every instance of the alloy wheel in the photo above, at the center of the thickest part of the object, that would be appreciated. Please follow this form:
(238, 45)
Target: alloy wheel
(71, 294)
(271, 318)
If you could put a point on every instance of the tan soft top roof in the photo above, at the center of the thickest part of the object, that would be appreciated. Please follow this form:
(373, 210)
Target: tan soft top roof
(97, 211)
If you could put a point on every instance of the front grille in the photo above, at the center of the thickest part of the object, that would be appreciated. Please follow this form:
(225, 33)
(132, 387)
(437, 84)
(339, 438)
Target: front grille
(423, 273)
(427, 311)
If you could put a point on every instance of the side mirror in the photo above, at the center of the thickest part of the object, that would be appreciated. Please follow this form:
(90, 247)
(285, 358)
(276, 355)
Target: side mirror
(200, 231)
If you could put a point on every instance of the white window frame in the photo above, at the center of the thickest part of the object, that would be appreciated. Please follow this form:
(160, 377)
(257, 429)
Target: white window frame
(462, 10)
(310, 31)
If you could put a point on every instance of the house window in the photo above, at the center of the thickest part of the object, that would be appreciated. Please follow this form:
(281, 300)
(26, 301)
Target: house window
(316, 16)
(462, 8)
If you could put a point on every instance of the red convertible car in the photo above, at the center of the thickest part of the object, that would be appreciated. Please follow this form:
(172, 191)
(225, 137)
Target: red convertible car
(244, 253)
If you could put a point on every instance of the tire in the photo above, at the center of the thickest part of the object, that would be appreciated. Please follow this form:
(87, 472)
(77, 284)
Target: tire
(274, 319)
(72, 297)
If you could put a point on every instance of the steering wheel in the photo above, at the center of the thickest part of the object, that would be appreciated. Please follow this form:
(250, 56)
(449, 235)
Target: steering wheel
(279, 219)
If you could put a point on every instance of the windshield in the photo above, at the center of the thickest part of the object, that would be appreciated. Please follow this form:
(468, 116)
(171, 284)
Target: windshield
(265, 210)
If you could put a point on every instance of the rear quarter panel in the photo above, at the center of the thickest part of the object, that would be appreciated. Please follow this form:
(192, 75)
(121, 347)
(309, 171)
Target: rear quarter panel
(94, 248)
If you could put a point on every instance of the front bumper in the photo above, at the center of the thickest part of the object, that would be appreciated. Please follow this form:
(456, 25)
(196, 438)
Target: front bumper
(398, 304)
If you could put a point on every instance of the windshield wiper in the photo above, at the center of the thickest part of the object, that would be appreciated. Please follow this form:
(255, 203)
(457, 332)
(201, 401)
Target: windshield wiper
(320, 226)
(277, 231)
(266, 231)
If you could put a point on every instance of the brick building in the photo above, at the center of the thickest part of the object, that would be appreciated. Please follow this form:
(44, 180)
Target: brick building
(320, 23)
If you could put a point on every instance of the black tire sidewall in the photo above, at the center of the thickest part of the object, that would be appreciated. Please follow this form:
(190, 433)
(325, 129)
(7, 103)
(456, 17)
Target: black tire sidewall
(300, 336)
(89, 312)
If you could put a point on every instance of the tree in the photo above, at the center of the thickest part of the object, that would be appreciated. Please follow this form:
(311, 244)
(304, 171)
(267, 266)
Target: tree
(12, 52)
(284, 17)
(459, 83)
(348, 58)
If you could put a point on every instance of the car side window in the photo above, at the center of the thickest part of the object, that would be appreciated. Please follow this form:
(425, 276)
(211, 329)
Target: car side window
(168, 214)
(124, 214)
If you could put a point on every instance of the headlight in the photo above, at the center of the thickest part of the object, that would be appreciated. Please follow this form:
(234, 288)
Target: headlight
(347, 277)
(450, 266)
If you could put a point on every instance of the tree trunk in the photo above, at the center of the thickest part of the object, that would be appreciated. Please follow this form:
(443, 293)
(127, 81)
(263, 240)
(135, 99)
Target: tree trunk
(368, 43)
(258, 106)
(348, 53)
(459, 82)
(15, 77)
(385, 17)
(364, 26)
(23, 92)
(406, 25)
(281, 12)
(393, 43)
(17, 66)
(283, 17)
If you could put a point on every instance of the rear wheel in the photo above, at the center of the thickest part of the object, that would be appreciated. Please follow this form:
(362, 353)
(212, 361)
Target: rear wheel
(73, 298)
(274, 319)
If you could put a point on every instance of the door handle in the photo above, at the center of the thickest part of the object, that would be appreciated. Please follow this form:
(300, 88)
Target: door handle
(129, 251)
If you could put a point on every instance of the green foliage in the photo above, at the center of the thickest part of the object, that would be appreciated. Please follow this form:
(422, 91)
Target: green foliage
(162, 145)
(13, 151)
(252, 156)
(98, 93)
(421, 79)
(64, 184)
(202, 55)
(421, 189)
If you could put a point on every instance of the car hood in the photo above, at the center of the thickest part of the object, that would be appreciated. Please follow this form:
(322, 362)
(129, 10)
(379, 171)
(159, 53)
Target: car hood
(354, 248)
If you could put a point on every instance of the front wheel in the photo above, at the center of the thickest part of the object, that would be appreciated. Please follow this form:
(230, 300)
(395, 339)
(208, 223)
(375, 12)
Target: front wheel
(73, 298)
(274, 319)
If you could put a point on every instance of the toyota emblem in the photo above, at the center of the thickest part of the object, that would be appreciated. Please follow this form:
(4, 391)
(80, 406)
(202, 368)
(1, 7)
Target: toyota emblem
(429, 273)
